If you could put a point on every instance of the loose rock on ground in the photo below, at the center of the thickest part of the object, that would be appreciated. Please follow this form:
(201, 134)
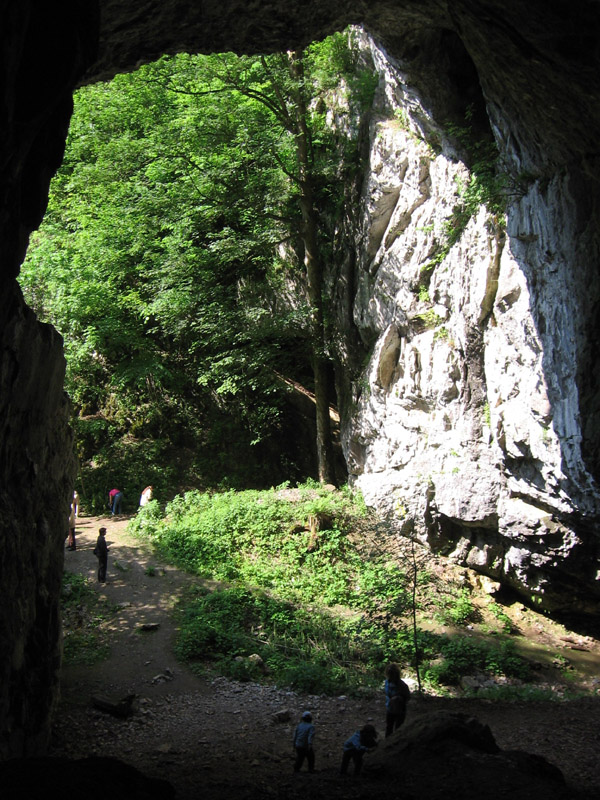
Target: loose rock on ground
(222, 739)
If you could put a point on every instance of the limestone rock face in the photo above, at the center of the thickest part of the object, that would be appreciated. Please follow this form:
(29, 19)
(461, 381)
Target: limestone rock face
(467, 424)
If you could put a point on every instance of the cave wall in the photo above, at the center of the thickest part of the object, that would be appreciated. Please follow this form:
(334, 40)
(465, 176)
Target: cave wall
(43, 53)
(37, 469)
(536, 68)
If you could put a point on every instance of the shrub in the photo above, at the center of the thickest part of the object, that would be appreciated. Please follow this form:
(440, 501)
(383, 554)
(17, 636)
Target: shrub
(308, 649)
(458, 609)
(501, 616)
(263, 539)
(322, 607)
(314, 678)
(463, 655)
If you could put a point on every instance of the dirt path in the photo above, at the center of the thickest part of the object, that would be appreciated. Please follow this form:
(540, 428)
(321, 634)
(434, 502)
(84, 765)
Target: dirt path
(136, 657)
(231, 740)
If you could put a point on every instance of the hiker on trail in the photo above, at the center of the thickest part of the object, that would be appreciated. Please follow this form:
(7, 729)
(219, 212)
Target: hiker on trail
(303, 738)
(397, 695)
(115, 498)
(146, 496)
(356, 746)
(74, 513)
(101, 552)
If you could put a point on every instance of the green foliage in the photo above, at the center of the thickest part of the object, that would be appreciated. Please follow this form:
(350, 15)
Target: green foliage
(462, 655)
(84, 647)
(458, 608)
(487, 416)
(325, 609)
(82, 613)
(321, 619)
(441, 334)
(523, 694)
(497, 611)
(560, 661)
(76, 590)
(402, 118)
(488, 182)
(429, 318)
(488, 185)
(307, 649)
(166, 255)
(262, 538)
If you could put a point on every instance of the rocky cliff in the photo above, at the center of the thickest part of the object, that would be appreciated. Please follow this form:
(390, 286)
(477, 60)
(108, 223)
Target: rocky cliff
(467, 427)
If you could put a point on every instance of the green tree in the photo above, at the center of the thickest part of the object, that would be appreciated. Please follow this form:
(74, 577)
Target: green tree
(189, 191)
(301, 146)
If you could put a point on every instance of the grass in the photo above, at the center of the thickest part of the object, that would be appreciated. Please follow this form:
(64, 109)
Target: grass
(310, 650)
(301, 549)
(457, 609)
(84, 648)
(314, 594)
(82, 613)
(463, 655)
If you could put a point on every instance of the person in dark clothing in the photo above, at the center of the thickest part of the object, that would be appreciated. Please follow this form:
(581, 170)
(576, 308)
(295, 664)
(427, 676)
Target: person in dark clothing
(303, 739)
(397, 695)
(356, 746)
(101, 552)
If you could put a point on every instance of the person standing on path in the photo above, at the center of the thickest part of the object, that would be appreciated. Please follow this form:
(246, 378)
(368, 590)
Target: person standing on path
(397, 695)
(101, 552)
(303, 739)
(146, 496)
(115, 498)
(72, 517)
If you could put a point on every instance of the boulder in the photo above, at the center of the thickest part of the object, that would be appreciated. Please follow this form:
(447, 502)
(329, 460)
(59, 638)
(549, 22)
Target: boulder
(452, 755)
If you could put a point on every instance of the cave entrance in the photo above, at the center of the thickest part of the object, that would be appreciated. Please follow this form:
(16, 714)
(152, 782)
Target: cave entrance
(171, 260)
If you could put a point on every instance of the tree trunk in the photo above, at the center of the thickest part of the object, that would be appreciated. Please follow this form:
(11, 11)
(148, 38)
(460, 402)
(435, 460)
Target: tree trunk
(314, 274)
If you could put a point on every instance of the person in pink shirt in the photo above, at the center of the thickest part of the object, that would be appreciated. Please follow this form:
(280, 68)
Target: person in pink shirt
(115, 498)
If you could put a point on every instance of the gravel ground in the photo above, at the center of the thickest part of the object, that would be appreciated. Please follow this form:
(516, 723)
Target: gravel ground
(233, 740)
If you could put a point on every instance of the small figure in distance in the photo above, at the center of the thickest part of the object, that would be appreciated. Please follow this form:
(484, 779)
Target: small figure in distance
(115, 498)
(397, 695)
(356, 746)
(74, 513)
(101, 553)
(303, 738)
(146, 496)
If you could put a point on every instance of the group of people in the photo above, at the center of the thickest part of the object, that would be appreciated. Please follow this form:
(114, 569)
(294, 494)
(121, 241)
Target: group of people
(115, 499)
(363, 740)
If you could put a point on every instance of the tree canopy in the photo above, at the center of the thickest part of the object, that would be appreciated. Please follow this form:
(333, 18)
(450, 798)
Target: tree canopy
(173, 256)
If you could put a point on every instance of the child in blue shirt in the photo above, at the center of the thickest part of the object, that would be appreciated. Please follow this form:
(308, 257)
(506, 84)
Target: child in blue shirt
(303, 739)
(356, 746)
